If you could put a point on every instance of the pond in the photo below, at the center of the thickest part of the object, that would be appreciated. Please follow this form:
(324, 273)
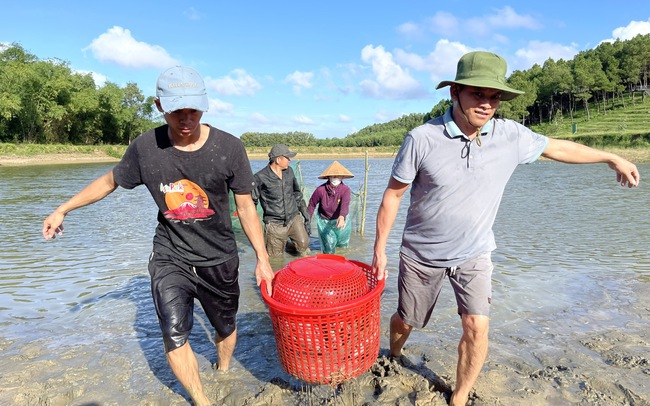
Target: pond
(77, 319)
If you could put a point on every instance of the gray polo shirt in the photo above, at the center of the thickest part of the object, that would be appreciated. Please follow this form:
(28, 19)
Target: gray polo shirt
(457, 185)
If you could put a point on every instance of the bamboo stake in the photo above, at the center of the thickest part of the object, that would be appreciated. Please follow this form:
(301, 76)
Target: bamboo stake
(365, 197)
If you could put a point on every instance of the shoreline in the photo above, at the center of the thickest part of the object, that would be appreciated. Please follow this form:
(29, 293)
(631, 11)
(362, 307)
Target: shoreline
(636, 156)
(81, 158)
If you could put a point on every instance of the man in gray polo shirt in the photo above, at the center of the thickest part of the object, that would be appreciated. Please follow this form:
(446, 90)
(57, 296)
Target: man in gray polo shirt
(458, 166)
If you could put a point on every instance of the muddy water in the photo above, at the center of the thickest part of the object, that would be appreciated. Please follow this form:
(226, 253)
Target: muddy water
(569, 318)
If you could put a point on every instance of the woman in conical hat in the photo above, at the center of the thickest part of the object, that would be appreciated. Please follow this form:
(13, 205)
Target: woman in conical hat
(333, 201)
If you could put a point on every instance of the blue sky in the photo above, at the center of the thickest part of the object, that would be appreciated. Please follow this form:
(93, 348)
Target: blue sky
(328, 68)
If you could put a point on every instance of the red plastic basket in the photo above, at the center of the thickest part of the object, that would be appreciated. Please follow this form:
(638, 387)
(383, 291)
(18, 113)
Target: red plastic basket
(325, 312)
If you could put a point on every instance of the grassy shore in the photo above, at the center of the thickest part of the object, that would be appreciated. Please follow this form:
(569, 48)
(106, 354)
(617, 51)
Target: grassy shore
(36, 154)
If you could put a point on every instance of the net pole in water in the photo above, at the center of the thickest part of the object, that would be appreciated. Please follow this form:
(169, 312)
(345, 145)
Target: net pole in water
(365, 197)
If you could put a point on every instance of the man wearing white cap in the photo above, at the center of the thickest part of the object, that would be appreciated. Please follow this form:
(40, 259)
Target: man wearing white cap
(457, 166)
(190, 169)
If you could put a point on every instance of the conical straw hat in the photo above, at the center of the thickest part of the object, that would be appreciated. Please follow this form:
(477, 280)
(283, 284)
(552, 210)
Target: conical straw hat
(336, 169)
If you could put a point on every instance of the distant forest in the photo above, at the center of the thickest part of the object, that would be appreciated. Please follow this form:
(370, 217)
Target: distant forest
(44, 101)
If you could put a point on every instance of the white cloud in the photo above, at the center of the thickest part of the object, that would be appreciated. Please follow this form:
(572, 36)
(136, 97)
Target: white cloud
(100, 80)
(412, 60)
(383, 116)
(300, 80)
(507, 17)
(450, 26)
(443, 23)
(410, 30)
(192, 14)
(391, 81)
(501, 39)
(217, 106)
(439, 63)
(118, 46)
(302, 120)
(630, 31)
(260, 118)
(537, 52)
(344, 119)
(237, 83)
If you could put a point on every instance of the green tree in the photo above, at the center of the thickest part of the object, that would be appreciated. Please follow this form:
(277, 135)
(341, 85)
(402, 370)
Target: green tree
(518, 108)
(83, 108)
(14, 83)
(438, 110)
(583, 65)
(609, 55)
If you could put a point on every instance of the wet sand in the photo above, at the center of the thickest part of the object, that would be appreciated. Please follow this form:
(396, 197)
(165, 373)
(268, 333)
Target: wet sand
(610, 367)
(618, 375)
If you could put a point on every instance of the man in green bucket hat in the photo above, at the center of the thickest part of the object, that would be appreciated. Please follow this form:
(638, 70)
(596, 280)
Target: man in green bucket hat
(457, 166)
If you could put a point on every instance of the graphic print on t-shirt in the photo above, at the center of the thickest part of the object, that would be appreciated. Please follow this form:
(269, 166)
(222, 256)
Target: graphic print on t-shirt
(185, 201)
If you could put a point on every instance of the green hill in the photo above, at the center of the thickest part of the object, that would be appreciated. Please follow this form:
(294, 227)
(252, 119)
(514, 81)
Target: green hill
(621, 126)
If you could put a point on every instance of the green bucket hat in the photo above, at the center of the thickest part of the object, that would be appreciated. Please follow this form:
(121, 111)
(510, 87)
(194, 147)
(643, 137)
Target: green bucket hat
(483, 69)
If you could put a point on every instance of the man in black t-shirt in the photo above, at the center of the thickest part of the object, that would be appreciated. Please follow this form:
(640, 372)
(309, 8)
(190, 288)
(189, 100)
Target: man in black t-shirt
(190, 169)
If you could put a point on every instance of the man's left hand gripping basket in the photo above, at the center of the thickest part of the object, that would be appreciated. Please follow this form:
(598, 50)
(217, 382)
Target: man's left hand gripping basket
(325, 312)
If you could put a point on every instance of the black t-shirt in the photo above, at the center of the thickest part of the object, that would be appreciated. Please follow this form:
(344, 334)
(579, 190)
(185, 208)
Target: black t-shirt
(191, 190)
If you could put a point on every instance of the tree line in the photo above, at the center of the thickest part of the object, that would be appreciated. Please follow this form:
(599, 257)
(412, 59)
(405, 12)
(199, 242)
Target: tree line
(597, 76)
(45, 102)
(556, 89)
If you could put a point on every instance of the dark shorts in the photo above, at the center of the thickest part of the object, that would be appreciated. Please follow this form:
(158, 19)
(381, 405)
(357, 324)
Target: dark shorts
(419, 286)
(175, 285)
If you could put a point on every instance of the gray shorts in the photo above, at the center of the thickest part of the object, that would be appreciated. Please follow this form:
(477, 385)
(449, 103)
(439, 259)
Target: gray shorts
(419, 286)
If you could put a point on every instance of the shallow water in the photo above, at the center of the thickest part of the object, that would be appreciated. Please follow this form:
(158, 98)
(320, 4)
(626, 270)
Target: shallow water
(78, 324)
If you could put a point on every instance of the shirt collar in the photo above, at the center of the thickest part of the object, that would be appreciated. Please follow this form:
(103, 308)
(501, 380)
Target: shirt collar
(453, 129)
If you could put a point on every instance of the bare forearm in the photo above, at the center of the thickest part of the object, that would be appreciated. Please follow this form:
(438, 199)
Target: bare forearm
(251, 225)
(385, 218)
(573, 153)
(95, 191)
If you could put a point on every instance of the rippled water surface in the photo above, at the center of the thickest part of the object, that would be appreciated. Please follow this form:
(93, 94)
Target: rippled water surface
(572, 249)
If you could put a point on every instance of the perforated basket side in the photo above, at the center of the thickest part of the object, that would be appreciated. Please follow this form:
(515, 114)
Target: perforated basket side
(325, 346)
(328, 348)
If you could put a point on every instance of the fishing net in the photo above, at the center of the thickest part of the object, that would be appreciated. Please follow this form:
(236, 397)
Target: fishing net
(353, 220)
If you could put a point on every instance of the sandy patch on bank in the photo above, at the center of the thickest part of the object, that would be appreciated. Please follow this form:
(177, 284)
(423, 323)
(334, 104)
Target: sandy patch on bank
(54, 159)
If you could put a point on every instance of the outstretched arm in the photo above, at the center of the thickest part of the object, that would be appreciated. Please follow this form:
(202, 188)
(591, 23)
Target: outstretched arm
(97, 190)
(252, 227)
(574, 153)
(385, 219)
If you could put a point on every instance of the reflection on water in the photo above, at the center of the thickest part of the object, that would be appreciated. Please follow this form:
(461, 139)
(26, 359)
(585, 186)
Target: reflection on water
(572, 245)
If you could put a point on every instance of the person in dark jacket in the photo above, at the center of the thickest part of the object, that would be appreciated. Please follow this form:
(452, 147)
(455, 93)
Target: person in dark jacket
(285, 211)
